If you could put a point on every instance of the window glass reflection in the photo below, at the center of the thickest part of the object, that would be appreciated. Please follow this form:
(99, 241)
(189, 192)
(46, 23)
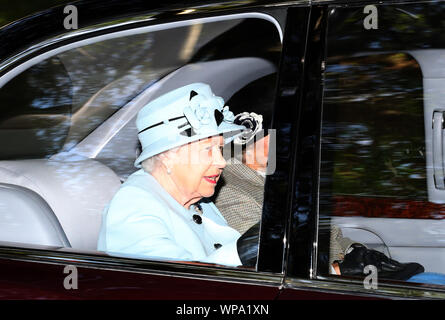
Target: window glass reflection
(381, 202)
(61, 106)
(36, 111)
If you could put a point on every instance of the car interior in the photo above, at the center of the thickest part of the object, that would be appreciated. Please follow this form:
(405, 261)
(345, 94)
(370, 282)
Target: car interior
(71, 180)
(58, 194)
(76, 188)
(396, 223)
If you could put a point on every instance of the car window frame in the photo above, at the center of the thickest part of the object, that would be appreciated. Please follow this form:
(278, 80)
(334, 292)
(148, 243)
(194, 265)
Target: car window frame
(18, 63)
(308, 177)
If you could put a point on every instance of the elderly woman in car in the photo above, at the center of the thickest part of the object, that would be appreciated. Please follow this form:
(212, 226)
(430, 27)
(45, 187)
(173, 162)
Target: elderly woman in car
(161, 210)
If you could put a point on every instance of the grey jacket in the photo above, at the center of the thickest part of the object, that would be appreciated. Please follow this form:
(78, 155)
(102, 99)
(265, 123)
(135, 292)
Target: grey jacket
(239, 197)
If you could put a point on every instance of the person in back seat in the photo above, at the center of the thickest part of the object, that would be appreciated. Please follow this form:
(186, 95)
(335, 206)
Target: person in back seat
(240, 201)
(240, 196)
(161, 211)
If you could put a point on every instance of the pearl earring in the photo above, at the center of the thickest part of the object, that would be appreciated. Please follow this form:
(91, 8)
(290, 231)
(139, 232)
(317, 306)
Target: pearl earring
(169, 171)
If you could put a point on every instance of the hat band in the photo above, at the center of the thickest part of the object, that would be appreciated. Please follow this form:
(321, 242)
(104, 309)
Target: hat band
(162, 122)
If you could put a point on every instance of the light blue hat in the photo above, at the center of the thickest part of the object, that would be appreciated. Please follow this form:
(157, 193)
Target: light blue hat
(181, 116)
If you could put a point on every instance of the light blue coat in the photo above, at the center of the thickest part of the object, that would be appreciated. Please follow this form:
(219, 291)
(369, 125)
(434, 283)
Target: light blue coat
(144, 221)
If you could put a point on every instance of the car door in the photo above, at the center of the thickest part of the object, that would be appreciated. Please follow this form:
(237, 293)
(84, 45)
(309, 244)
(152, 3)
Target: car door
(68, 99)
(369, 153)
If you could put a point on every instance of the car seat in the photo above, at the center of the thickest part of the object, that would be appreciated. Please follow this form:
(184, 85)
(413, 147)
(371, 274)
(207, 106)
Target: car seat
(25, 217)
(76, 191)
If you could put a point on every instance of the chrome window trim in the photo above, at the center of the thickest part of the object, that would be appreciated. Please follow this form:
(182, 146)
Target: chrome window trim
(290, 3)
(314, 256)
(112, 35)
(100, 261)
(356, 288)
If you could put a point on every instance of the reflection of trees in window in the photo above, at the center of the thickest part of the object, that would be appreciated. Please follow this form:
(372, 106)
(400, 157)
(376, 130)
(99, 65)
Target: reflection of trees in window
(108, 74)
(79, 89)
(171, 49)
(35, 111)
(400, 27)
(373, 128)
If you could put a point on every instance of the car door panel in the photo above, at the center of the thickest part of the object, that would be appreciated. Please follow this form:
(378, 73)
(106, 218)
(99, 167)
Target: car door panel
(40, 280)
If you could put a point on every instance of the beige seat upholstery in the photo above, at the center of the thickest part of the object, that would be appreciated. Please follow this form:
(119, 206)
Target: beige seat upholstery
(76, 191)
(25, 217)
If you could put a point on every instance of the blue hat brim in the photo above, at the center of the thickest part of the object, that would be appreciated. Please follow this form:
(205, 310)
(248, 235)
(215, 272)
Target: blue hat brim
(167, 144)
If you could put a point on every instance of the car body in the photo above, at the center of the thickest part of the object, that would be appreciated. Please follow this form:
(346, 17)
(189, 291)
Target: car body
(69, 140)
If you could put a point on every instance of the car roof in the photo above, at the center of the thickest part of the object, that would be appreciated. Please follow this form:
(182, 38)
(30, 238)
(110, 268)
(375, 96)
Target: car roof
(15, 10)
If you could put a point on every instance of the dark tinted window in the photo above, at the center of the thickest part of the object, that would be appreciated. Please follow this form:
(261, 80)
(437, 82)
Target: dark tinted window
(55, 104)
(373, 129)
(36, 110)
(381, 179)
(76, 91)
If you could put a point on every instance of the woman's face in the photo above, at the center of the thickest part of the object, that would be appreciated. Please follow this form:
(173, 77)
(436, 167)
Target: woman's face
(197, 167)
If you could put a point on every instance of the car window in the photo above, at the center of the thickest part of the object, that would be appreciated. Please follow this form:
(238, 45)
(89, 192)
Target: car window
(68, 126)
(381, 200)
(227, 61)
(99, 79)
(36, 111)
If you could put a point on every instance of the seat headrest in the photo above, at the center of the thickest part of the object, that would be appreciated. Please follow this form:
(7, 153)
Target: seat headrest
(25, 217)
(76, 191)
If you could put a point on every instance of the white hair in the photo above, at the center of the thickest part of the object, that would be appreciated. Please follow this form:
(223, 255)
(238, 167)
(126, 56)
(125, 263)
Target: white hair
(149, 164)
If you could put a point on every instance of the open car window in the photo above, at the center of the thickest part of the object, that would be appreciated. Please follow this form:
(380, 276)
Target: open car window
(381, 196)
(68, 130)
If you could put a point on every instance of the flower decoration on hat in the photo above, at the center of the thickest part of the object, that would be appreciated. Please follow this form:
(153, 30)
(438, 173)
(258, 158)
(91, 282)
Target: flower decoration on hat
(205, 113)
(228, 115)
